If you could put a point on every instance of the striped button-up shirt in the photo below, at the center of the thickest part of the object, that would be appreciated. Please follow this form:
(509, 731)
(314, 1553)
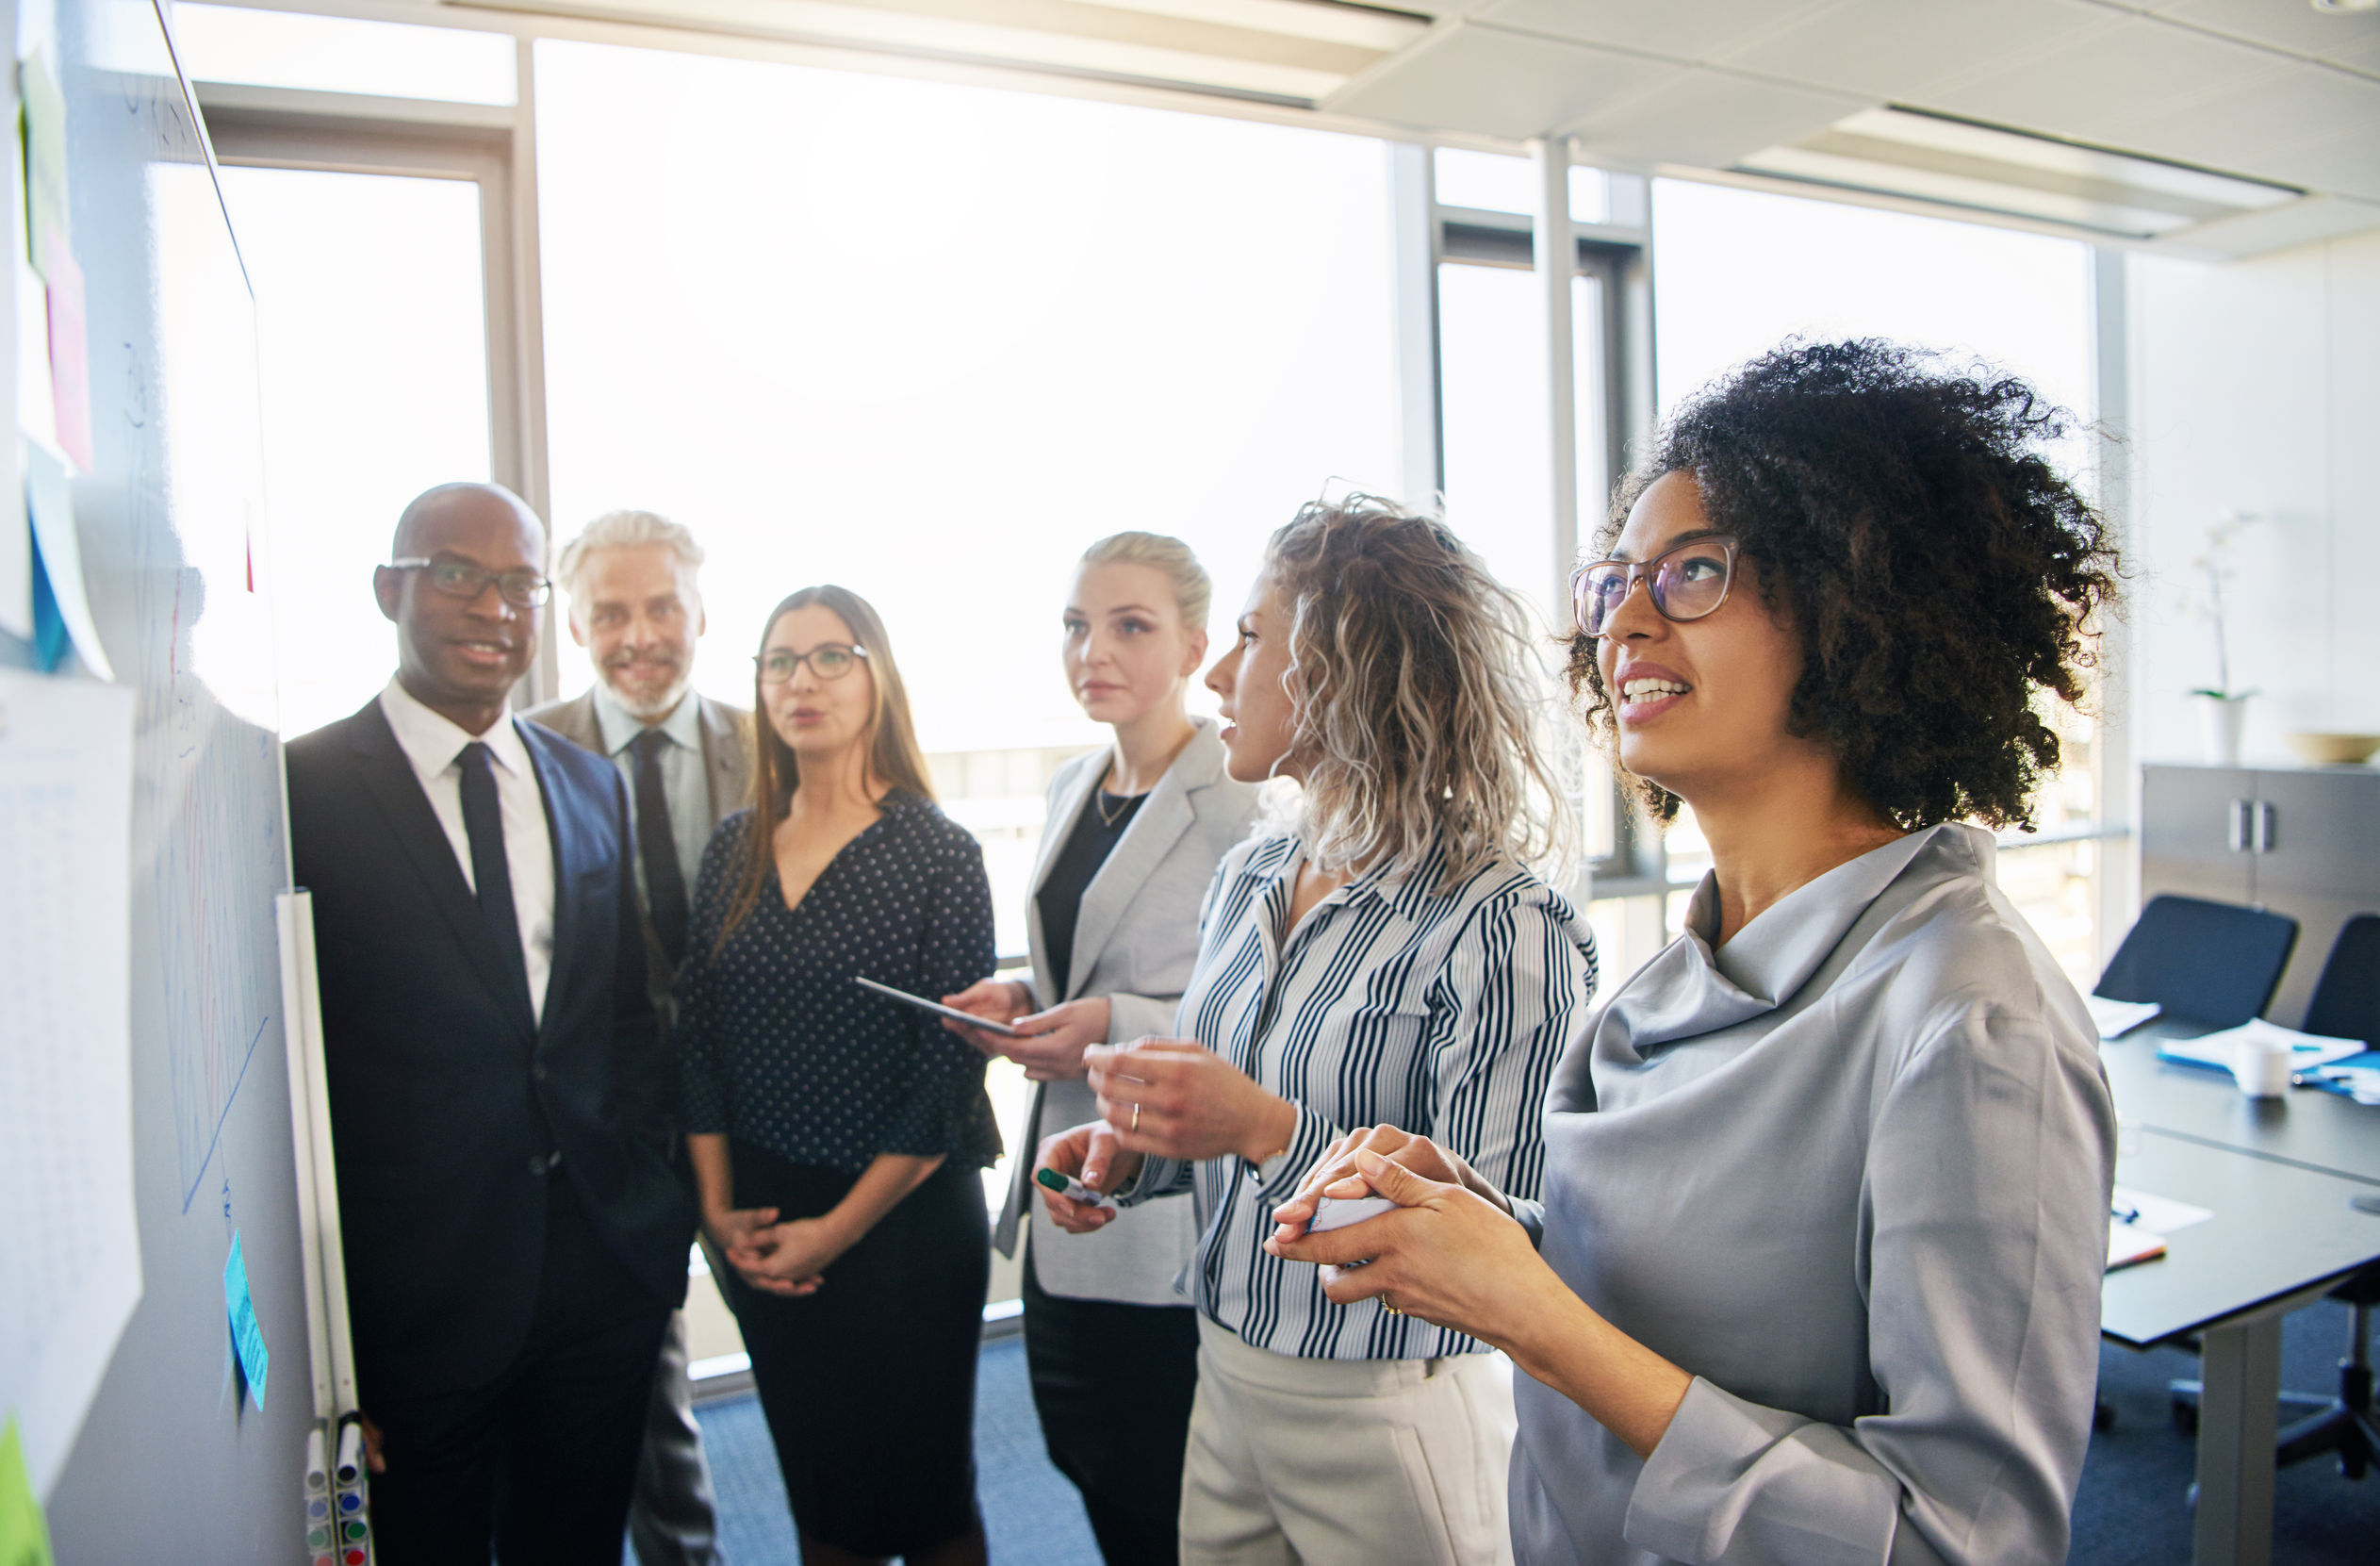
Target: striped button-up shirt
(1395, 1001)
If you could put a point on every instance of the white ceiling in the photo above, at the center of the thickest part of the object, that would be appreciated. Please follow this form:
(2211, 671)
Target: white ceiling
(2269, 89)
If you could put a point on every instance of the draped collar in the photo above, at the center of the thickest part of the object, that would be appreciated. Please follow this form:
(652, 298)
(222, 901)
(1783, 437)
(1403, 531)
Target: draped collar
(1689, 989)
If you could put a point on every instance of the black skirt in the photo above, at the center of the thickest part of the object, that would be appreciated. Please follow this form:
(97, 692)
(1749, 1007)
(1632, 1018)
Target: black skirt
(869, 1384)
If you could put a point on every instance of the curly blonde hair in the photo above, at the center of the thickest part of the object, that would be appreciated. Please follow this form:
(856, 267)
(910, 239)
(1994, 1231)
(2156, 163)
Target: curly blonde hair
(1416, 696)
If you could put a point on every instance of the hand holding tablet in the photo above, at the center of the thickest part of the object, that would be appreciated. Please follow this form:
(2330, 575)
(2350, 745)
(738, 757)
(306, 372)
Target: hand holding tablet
(952, 1013)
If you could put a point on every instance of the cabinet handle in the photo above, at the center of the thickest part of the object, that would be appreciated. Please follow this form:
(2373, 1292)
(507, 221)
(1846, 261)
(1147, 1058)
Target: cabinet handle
(2238, 826)
(2267, 818)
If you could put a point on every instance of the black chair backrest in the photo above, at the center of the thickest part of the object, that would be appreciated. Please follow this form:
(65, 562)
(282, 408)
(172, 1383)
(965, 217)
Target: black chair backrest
(2346, 1003)
(2215, 962)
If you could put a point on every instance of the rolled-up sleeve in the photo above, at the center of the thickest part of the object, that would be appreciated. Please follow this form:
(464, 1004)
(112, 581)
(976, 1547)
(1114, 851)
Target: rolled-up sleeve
(1983, 1214)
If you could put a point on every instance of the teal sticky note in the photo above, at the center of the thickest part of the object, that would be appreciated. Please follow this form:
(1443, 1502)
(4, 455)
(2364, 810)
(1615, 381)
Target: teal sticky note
(246, 1335)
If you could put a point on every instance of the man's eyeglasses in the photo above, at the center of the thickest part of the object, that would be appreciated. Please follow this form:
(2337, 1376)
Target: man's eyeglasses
(1685, 583)
(827, 660)
(522, 588)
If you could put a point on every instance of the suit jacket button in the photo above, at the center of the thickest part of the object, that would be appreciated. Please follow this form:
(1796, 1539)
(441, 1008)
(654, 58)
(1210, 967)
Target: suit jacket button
(538, 1071)
(537, 1164)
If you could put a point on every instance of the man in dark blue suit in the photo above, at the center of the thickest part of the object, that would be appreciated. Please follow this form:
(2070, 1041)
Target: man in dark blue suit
(515, 1241)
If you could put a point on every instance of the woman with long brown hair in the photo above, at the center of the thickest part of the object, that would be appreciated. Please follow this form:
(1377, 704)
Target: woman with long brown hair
(835, 1135)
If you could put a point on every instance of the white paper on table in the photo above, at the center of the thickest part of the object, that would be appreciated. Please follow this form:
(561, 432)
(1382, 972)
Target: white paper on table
(70, 1243)
(2116, 1019)
(52, 503)
(2221, 1050)
(2162, 1213)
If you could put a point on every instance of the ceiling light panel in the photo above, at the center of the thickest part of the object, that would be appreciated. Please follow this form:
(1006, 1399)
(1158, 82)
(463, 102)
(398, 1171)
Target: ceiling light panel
(1292, 51)
(1957, 162)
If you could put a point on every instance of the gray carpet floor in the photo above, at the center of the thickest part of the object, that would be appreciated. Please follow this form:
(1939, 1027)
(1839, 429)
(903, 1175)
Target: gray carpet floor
(2132, 1511)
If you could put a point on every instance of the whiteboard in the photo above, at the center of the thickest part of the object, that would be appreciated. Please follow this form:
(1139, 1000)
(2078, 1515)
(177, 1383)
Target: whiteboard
(171, 1463)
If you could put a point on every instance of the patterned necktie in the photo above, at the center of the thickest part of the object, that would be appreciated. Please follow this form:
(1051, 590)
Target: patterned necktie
(657, 848)
(491, 873)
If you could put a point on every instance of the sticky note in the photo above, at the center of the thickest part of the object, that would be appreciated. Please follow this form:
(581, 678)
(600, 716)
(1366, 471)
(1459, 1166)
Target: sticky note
(246, 1336)
(70, 352)
(24, 1537)
(47, 199)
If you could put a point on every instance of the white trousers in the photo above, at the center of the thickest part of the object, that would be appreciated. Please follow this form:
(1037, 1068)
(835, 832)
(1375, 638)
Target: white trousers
(1368, 1462)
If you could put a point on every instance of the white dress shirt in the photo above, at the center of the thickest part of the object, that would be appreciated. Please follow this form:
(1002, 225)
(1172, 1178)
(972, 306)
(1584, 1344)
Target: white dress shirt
(431, 742)
(685, 781)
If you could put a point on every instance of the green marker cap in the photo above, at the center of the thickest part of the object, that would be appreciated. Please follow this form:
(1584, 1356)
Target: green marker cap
(1049, 1177)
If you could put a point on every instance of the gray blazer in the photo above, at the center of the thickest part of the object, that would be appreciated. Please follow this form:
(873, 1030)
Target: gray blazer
(726, 761)
(1135, 942)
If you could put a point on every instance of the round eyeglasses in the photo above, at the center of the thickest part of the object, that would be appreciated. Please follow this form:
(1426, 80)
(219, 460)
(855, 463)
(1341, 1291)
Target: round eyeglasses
(522, 588)
(1685, 582)
(827, 661)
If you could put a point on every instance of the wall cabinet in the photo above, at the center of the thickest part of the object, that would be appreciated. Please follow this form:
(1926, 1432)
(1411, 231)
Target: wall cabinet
(2300, 841)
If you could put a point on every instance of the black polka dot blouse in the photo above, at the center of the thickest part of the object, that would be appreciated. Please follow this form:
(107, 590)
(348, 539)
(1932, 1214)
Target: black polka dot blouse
(779, 1048)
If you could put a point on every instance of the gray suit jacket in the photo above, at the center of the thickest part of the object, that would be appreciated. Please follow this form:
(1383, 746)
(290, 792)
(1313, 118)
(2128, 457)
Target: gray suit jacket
(726, 761)
(1135, 942)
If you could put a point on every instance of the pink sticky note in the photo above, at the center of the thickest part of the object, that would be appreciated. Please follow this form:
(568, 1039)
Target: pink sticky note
(70, 352)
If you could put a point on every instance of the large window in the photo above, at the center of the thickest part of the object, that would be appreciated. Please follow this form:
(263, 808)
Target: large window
(929, 342)
(1736, 271)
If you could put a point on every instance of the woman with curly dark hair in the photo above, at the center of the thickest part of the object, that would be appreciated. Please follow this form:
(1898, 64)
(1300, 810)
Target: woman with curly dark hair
(1817, 1272)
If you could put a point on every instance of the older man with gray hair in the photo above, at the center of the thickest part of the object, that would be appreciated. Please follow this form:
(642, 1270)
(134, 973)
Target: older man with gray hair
(636, 607)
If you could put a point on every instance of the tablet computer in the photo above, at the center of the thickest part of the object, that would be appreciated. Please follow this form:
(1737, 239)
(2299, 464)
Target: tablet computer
(889, 992)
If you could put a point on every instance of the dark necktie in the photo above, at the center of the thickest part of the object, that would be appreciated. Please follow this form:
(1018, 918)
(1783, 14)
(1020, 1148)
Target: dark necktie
(657, 847)
(491, 874)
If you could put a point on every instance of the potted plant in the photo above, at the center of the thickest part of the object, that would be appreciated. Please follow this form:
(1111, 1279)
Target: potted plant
(2223, 710)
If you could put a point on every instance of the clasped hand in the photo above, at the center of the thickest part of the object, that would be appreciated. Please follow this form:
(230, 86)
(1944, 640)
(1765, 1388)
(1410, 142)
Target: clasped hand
(1453, 1255)
(787, 1259)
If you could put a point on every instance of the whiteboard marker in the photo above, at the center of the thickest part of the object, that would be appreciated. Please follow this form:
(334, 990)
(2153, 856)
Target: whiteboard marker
(350, 1452)
(1073, 1189)
(318, 1474)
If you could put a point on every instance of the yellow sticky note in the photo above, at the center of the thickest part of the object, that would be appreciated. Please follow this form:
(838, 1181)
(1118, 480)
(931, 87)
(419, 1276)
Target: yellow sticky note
(24, 1537)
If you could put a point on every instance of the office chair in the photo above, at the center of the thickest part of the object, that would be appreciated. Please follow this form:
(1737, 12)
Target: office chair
(2216, 964)
(2346, 1005)
(2211, 963)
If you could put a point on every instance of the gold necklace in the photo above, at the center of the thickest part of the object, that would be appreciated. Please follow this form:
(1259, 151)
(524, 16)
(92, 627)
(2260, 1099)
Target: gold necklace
(1099, 799)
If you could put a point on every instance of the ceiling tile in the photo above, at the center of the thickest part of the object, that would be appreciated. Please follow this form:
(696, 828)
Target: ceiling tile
(2291, 24)
(2347, 161)
(1479, 79)
(1706, 118)
(2256, 127)
(1892, 49)
(1681, 29)
(2300, 223)
(2105, 79)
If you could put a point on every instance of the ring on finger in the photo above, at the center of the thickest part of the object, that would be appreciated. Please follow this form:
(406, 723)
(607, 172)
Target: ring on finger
(1391, 1307)
(1136, 1118)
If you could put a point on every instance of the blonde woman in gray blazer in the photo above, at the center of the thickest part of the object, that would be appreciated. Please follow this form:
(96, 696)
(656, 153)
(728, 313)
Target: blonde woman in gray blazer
(1133, 834)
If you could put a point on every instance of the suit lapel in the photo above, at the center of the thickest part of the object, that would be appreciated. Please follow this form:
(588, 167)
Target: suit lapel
(725, 764)
(389, 778)
(576, 853)
(1158, 824)
(1061, 827)
(1163, 817)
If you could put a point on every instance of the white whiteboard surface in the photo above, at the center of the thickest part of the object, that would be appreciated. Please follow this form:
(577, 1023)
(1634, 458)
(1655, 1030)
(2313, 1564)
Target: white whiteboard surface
(69, 1253)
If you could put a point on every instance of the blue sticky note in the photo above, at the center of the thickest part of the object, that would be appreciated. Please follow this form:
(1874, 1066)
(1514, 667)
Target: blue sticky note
(246, 1336)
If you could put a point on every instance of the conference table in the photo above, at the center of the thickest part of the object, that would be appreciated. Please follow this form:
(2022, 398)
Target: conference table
(2281, 1176)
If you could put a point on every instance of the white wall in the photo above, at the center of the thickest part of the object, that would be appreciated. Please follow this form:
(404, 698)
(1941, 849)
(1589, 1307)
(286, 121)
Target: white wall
(2256, 386)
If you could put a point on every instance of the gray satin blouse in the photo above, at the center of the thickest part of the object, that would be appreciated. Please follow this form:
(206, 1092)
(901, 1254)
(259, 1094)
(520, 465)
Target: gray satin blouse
(1851, 1170)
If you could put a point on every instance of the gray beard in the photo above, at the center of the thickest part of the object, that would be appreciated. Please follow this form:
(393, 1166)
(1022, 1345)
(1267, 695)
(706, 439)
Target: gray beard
(656, 708)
